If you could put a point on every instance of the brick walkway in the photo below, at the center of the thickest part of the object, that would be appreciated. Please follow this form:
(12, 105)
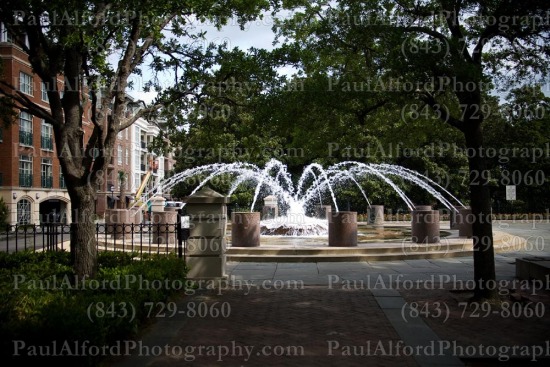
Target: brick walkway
(303, 327)
(313, 326)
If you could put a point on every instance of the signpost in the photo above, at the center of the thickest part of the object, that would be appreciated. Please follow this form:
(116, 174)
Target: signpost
(511, 195)
(510, 192)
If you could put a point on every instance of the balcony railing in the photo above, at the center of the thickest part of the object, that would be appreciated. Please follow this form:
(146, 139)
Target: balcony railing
(25, 180)
(25, 137)
(46, 143)
(47, 181)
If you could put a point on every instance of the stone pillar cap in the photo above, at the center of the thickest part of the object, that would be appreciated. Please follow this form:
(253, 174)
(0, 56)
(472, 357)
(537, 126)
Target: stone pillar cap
(206, 196)
(157, 198)
(270, 199)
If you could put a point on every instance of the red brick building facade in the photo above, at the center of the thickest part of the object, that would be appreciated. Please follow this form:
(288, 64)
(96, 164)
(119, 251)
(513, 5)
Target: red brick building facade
(31, 182)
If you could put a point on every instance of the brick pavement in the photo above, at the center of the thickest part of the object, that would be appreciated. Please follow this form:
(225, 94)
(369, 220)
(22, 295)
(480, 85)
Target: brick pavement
(288, 327)
(313, 316)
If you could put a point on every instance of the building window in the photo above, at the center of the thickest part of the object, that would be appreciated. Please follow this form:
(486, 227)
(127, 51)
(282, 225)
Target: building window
(127, 156)
(62, 183)
(23, 211)
(44, 91)
(46, 137)
(137, 181)
(25, 83)
(119, 155)
(137, 161)
(46, 173)
(25, 128)
(25, 171)
(5, 36)
(142, 161)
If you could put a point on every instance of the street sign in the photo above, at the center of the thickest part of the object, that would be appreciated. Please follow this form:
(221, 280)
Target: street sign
(510, 192)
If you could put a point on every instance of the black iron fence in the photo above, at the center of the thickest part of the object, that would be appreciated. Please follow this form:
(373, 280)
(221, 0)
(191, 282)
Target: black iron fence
(140, 238)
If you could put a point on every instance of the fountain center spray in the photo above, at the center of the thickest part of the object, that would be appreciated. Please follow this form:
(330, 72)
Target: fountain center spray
(314, 181)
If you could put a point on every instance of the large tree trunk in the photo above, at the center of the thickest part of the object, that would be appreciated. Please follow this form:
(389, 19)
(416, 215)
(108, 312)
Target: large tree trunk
(480, 202)
(83, 231)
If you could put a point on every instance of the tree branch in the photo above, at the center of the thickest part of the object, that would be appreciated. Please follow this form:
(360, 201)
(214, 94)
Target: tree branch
(26, 104)
(444, 115)
(144, 111)
(451, 16)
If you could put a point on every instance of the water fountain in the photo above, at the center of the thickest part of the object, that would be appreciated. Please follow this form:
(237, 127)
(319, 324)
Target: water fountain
(315, 181)
(294, 236)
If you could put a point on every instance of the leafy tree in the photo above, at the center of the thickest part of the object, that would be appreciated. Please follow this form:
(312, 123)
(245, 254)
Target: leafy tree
(446, 52)
(97, 47)
(518, 142)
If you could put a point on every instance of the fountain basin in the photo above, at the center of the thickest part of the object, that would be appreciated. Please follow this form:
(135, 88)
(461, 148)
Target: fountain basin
(294, 225)
(315, 248)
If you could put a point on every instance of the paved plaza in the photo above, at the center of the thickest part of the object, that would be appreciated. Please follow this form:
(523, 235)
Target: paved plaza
(353, 314)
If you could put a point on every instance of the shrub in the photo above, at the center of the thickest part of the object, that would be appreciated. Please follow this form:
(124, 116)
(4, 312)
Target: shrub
(43, 303)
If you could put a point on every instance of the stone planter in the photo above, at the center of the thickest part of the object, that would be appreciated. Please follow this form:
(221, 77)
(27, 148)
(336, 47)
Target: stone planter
(425, 226)
(464, 221)
(271, 208)
(453, 217)
(118, 222)
(323, 211)
(376, 215)
(245, 229)
(342, 229)
(164, 228)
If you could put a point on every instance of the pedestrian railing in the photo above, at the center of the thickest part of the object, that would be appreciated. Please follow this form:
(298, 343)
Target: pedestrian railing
(141, 238)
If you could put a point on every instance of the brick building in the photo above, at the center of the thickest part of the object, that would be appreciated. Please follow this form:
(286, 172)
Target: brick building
(31, 182)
